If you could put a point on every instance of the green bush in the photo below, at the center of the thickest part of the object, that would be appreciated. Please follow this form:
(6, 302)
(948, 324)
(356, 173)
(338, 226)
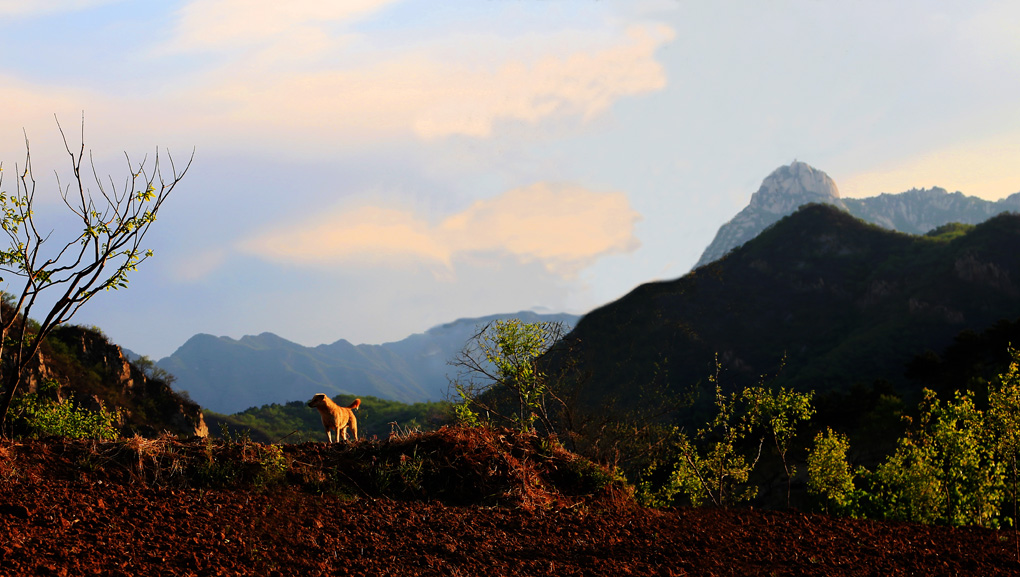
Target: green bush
(829, 475)
(66, 419)
(945, 469)
(714, 465)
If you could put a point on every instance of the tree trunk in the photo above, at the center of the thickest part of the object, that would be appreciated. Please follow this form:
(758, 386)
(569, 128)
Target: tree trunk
(5, 404)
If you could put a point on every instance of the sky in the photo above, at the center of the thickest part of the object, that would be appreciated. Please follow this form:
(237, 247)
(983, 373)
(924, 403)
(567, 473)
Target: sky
(368, 169)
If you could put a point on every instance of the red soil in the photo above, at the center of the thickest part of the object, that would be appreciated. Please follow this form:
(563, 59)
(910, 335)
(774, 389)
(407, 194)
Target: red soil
(58, 516)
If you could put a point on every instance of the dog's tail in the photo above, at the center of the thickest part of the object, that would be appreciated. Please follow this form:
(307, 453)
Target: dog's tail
(355, 404)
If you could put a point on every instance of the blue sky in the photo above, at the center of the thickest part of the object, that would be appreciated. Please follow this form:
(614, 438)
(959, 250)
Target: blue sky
(370, 168)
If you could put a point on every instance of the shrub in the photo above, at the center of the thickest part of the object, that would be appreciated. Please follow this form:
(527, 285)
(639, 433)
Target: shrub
(64, 418)
(944, 470)
(829, 474)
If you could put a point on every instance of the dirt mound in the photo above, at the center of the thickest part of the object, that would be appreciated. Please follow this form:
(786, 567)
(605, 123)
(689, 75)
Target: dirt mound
(200, 508)
(454, 465)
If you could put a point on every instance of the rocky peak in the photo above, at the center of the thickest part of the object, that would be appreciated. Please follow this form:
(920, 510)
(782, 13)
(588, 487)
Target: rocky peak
(789, 187)
(781, 193)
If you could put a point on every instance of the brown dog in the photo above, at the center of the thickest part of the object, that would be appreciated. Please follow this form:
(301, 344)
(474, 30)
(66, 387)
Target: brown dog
(335, 417)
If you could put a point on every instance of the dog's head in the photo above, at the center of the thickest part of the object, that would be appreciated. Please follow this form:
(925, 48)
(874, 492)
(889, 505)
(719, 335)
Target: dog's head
(318, 400)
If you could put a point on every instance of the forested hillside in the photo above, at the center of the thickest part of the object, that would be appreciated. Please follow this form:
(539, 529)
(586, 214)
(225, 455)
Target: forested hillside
(822, 300)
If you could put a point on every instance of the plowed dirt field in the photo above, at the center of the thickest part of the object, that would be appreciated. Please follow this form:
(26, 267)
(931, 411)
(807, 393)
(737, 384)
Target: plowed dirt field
(61, 515)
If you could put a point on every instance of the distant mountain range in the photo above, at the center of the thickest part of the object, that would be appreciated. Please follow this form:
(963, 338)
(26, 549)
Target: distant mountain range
(843, 301)
(790, 187)
(227, 375)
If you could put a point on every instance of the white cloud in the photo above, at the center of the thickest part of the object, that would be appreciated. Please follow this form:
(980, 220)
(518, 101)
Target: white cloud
(579, 84)
(227, 24)
(285, 79)
(562, 227)
(423, 93)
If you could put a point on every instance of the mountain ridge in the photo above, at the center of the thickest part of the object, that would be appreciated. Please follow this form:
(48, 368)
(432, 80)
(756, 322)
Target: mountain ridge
(229, 375)
(787, 188)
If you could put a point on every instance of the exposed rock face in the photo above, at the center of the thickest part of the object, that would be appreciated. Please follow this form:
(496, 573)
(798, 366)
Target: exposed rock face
(103, 377)
(786, 189)
(790, 187)
(919, 211)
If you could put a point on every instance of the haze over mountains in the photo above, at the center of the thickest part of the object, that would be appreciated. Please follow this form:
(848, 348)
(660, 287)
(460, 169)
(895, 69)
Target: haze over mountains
(789, 187)
(227, 375)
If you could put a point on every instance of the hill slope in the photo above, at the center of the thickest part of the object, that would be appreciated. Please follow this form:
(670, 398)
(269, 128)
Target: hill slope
(227, 375)
(81, 365)
(844, 301)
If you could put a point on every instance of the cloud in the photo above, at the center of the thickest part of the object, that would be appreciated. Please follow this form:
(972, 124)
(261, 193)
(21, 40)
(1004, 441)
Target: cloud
(227, 24)
(579, 84)
(296, 80)
(420, 91)
(563, 227)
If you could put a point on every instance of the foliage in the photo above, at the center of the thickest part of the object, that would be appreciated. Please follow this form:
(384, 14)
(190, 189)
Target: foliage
(236, 459)
(829, 474)
(1004, 426)
(944, 470)
(152, 371)
(973, 360)
(715, 465)
(777, 412)
(950, 467)
(950, 231)
(65, 274)
(463, 414)
(714, 474)
(498, 368)
(65, 418)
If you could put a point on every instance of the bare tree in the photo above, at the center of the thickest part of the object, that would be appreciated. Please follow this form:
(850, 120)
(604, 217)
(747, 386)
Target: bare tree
(113, 221)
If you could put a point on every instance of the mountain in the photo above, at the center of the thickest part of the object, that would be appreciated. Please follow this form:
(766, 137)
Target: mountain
(845, 302)
(228, 376)
(918, 211)
(789, 187)
(781, 193)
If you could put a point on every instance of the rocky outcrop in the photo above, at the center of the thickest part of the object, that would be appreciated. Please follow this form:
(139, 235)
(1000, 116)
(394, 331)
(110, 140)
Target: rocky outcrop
(781, 193)
(94, 372)
(916, 211)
